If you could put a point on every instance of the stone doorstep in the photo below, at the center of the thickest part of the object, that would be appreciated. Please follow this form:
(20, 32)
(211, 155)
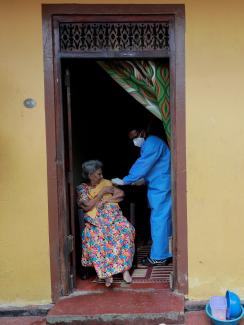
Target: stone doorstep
(191, 318)
(194, 315)
(117, 307)
(116, 319)
(39, 321)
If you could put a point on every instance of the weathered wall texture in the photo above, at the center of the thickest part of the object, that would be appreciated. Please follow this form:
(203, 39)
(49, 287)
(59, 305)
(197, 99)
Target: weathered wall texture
(215, 154)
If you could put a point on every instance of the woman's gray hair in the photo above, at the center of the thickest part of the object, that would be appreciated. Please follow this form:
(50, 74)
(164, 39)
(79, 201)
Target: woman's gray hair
(89, 167)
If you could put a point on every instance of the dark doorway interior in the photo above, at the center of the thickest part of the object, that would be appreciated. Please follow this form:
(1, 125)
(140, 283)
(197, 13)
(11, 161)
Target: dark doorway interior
(101, 114)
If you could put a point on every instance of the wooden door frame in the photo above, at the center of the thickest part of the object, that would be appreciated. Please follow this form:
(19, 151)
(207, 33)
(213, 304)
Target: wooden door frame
(57, 209)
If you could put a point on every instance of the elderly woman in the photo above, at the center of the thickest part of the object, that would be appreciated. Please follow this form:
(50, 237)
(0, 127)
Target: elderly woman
(108, 238)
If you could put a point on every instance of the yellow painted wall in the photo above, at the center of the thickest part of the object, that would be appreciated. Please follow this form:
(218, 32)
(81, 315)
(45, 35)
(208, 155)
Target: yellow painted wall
(215, 154)
(24, 247)
(215, 145)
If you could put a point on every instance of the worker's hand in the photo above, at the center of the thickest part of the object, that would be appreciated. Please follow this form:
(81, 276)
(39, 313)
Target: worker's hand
(140, 181)
(117, 181)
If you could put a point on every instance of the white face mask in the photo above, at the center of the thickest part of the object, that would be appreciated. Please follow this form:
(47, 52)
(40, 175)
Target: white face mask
(138, 142)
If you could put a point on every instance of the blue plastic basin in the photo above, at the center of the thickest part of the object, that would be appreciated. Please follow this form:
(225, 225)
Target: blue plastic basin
(216, 321)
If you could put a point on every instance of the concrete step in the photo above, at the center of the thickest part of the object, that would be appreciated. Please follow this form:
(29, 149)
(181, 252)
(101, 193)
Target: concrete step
(115, 320)
(119, 307)
(31, 321)
(126, 321)
(22, 320)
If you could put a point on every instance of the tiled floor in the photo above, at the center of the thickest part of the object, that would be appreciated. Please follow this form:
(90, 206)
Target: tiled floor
(120, 306)
(150, 274)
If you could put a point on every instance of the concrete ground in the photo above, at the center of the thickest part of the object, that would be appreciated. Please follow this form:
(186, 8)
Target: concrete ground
(25, 320)
(191, 318)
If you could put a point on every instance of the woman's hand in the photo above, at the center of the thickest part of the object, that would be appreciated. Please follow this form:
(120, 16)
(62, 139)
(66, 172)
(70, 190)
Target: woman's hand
(105, 190)
(106, 200)
(117, 196)
(90, 204)
(108, 190)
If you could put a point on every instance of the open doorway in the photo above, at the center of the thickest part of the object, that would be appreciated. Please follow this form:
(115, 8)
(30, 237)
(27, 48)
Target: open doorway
(101, 113)
(81, 32)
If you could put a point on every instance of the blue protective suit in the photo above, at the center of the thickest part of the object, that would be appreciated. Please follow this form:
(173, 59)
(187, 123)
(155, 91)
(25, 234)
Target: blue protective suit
(154, 166)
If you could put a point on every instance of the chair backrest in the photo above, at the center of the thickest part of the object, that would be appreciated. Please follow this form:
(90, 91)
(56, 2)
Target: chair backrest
(81, 214)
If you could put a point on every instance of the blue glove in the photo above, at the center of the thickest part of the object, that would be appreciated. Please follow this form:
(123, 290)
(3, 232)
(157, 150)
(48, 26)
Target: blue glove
(117, 181)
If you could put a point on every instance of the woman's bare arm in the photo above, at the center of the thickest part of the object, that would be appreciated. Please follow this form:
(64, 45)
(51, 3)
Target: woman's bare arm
(118, 196)
(88, 205)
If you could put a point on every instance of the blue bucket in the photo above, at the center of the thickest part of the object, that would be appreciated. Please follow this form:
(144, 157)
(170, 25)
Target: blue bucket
(233, 305)
(216, 321)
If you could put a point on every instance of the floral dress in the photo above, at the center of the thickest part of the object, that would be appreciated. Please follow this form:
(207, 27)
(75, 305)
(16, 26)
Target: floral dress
(107, 239)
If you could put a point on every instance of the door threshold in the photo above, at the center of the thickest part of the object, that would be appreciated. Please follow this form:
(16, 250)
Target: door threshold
(92, 285)
(119, 306)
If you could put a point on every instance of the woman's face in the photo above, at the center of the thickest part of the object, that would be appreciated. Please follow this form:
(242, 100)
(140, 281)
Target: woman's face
(96, 177)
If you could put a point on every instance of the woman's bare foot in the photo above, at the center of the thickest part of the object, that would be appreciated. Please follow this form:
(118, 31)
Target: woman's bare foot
(126, 276)
(108, 281)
